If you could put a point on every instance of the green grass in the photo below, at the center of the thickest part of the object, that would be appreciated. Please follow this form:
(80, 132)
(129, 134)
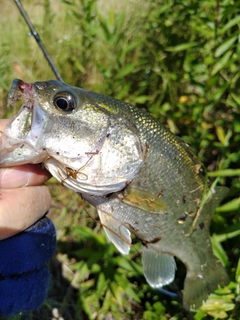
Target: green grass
(178, 60)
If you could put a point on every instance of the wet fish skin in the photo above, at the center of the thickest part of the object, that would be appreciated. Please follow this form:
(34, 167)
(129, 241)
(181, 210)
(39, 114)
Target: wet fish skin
(141, 178)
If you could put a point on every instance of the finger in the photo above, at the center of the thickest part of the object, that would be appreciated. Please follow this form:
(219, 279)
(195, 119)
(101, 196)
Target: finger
(22, 176)
(22, 207)
(3, 123)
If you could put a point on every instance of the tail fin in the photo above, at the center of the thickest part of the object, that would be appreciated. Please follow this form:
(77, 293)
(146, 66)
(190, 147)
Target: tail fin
(198, 286)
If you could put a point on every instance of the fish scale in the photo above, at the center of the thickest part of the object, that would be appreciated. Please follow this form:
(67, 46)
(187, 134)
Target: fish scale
(142, 179)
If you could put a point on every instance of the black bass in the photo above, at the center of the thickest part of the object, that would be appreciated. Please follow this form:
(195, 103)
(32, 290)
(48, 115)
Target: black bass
(141, 178)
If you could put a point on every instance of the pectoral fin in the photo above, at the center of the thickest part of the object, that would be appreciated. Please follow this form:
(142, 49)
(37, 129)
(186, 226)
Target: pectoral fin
(117, 233)
(159, 269)
(143, 200)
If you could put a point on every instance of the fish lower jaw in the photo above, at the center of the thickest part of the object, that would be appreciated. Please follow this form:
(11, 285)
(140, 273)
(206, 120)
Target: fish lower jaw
(7, 143)
(15, 151)
(19, 156)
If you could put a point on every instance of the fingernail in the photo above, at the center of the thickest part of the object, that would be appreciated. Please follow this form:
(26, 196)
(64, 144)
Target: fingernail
(11, 178)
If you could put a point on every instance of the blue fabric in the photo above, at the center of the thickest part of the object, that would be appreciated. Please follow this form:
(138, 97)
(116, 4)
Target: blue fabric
(24, 275)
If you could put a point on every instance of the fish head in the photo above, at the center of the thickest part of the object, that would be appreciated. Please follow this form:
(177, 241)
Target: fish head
(79, 138)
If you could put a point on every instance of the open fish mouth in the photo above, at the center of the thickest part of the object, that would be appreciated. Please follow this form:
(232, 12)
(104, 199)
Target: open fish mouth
(19, 142)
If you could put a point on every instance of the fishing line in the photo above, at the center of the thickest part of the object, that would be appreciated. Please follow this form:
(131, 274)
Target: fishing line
(39, 41)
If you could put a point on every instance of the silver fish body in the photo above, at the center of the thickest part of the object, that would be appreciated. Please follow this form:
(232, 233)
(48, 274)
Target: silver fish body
(141, 178)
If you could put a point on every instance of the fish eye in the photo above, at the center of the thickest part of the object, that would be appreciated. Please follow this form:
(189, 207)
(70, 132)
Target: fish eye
(64, 101)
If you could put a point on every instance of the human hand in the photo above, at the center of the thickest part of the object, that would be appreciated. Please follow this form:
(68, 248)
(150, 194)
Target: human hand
(24, 273)
(23, 197)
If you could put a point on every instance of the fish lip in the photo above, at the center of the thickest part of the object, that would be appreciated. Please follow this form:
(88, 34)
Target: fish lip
(20, 90)
(24, 87)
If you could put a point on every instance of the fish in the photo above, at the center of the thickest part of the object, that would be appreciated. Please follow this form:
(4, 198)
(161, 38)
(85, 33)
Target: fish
(144, 181)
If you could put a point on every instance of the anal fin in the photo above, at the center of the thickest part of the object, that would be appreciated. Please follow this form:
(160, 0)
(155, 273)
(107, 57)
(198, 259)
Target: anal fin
(116, 232)
(159, 268)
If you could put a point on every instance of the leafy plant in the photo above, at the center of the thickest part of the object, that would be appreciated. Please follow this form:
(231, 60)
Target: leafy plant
(178, 60)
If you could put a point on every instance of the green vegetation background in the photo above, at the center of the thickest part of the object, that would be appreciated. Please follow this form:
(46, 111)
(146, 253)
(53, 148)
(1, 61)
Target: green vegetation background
(178, 60)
